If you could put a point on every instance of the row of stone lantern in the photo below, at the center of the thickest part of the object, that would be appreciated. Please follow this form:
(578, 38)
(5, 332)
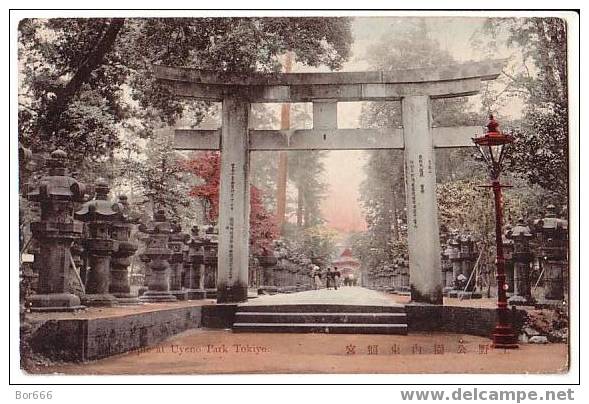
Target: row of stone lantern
(457, 262)
(283, 271)
(391, 278)
(544, 242)
(181, 266)
(106, 243)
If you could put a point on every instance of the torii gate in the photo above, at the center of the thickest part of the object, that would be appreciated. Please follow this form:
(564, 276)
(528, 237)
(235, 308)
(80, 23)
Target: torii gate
(413, 87)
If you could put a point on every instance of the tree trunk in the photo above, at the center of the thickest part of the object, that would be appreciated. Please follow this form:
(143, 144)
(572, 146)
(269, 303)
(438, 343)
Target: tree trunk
(283, 156)
(300, 201)
(547, 61)
(93, 60)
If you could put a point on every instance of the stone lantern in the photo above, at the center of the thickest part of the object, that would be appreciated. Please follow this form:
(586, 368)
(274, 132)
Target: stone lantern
(56, 194)
(522, 257)
(454, 258)
(157, 254)
(552, 233)
(447, 270)
(210, 244)
(268, 262)
(194, 277)
(98, 214)
(395, 276)
(404, 267)
(120, 285)
(176, 244)
(390, 269)
(468, 258)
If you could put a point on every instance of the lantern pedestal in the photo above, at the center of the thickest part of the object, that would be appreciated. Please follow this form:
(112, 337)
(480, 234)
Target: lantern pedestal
(99, 276)
(157, 253)
(54, 302)
(176, 260)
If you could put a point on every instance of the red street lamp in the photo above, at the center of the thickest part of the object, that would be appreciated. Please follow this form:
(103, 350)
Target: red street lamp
(492, 146)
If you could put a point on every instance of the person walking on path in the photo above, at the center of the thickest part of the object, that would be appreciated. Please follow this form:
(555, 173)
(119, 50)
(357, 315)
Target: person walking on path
(336, 277)
(317, 277)
(329, 278)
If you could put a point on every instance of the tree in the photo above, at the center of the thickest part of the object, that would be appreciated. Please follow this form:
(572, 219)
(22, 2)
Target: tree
(263, 225)
(84, 78)
(87, 87)
(305, 169)
(263, 164)
(538, 76)
(70, 86)
(160, 177)
(207, 167)
(407, 44)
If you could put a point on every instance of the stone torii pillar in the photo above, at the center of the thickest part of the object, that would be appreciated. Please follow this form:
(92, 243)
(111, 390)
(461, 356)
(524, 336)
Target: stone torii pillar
(415, 88)
(422, 206)
(234, 202)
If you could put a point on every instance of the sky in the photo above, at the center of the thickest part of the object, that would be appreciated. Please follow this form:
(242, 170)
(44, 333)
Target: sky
(344, 169)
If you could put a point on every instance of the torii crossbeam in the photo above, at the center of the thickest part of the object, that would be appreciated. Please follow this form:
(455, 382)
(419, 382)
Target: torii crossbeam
(413, 87)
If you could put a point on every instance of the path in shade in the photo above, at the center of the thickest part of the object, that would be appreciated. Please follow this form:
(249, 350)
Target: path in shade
(344, 295)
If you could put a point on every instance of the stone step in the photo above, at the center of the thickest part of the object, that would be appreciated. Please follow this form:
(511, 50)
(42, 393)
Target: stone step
(318, 317)
(328, 328)
(320, 308)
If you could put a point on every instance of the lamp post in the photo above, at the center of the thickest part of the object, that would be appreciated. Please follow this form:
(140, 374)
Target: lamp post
(492, 147)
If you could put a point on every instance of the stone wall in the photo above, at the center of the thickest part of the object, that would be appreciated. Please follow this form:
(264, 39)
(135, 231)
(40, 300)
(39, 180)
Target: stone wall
(95, 338)
(74, 340)
(461, 320)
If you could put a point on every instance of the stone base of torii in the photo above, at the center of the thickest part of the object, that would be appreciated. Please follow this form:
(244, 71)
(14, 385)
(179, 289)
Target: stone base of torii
(414, 88)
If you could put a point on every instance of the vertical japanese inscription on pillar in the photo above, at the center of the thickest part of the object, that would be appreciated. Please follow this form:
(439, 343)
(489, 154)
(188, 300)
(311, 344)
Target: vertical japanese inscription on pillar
(231, 222)
(410, 169)
(421, 186)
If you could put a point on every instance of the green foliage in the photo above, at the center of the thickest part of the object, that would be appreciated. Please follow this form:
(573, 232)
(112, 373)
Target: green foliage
(539, 79)
(406, 45)
(111, 61)
(540, 153)
(86, 84)
(316, 242)
(160, 177)
(304, 170)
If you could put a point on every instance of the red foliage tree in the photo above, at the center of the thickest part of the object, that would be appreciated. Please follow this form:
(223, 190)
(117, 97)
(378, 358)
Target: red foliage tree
(263, 224)
(206, 166)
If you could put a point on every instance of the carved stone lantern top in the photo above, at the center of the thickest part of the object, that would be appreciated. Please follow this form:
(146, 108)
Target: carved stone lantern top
(552, 233)
(125, 217)
(520, 230)
(551, 222)
(211, 235)
(159, 225)
(177, 236)
(58, 185)
(100, 208)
